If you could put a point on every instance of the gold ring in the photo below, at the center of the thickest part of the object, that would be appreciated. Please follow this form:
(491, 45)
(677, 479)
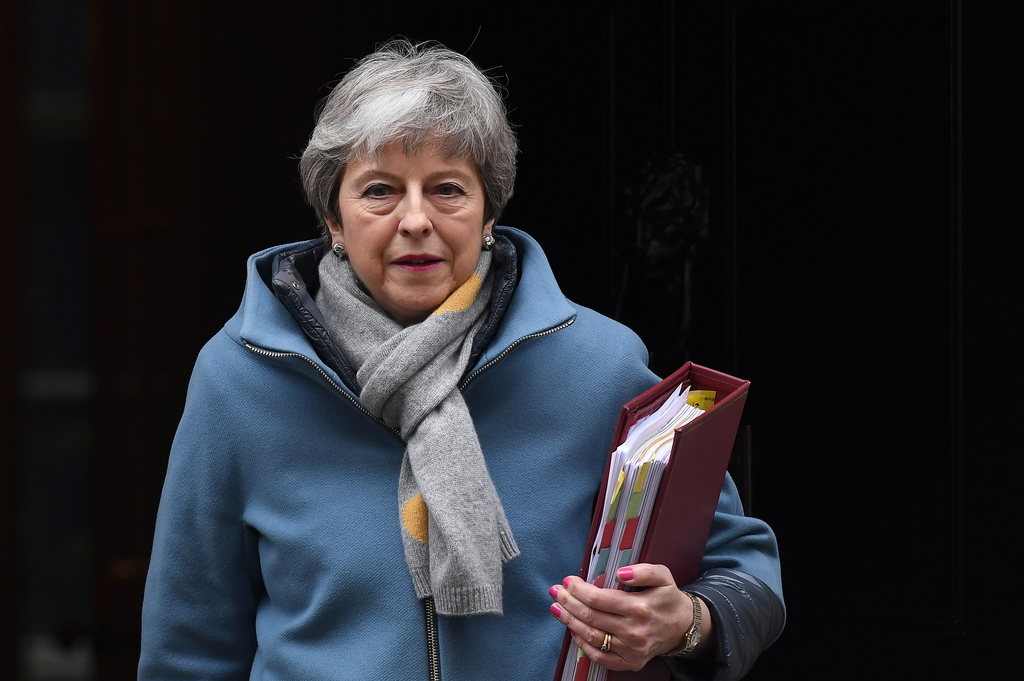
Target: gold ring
(606, 647)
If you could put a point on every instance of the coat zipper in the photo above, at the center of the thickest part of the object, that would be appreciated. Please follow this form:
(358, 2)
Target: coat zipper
(462, 386)
(429, 610)
(433, 640)
(539, 334)
(274, 353)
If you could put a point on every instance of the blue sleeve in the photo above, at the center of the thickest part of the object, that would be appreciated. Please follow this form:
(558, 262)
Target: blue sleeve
(742, 543)
(198, 616)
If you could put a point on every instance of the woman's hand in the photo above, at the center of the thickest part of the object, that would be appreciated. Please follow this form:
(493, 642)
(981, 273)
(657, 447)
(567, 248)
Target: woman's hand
(643, 624)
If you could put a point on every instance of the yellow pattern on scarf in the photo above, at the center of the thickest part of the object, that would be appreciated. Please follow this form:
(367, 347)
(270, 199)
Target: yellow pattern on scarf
(462, 297)
(414, 517)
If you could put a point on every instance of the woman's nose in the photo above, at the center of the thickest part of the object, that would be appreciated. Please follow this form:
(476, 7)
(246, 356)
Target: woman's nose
(414, 220)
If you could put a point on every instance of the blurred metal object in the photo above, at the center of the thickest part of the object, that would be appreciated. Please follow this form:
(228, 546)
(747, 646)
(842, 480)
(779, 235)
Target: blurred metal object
(667, 214)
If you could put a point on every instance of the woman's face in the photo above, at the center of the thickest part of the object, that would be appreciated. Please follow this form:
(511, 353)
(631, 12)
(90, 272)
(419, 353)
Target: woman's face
(412, 226)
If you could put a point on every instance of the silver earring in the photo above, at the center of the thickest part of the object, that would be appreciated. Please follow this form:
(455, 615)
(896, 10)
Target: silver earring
(488, 242)
(339, 249)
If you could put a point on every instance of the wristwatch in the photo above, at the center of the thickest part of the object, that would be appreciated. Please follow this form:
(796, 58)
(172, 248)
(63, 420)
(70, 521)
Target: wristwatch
(692, 637)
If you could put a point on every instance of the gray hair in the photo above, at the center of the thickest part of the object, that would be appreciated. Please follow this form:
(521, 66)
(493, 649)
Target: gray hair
(417, 94)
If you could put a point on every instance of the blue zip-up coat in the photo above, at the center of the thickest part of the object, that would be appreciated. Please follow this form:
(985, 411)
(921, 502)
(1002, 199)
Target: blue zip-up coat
(278, 553)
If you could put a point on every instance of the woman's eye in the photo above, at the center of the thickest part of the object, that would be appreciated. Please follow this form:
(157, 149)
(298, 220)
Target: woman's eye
(377, 191)
(449, 189)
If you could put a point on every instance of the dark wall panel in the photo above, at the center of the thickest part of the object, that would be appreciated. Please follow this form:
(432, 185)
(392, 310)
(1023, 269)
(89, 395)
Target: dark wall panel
(846, 310)
(859, 132)
(12, 185)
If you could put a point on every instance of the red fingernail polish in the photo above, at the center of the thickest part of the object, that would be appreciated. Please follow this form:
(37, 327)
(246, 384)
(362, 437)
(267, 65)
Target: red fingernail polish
(625, 574)
(553, 591)
(565, 582)
(556, 610)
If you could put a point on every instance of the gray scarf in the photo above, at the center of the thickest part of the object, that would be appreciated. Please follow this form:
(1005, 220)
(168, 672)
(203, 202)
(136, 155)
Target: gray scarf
(409, 378)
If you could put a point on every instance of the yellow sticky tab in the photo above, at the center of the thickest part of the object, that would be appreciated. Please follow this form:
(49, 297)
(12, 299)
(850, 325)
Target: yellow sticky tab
(614, 505)
(462, 297)
(640, 479)
(703, 399)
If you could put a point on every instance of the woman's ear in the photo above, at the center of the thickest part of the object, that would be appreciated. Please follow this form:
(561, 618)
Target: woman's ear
(487, 226)
(334, 227)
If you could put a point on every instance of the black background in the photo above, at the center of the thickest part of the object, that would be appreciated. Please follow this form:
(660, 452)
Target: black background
(860, 268)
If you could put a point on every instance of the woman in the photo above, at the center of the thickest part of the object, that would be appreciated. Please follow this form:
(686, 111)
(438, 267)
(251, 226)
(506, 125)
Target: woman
(418, 349)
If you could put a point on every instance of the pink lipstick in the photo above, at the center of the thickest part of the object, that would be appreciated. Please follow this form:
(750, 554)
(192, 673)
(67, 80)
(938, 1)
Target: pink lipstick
(417, 262)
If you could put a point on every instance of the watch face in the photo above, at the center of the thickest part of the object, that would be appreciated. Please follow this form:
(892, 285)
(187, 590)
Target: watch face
(695, 638)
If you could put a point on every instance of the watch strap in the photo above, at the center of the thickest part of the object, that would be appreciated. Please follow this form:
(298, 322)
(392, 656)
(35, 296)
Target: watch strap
(693, 636)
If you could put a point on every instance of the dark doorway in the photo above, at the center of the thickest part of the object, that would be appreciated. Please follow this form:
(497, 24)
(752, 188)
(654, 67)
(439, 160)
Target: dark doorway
(848, 247)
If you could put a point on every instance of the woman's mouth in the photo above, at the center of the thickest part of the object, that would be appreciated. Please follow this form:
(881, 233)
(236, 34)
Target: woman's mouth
(417, 262)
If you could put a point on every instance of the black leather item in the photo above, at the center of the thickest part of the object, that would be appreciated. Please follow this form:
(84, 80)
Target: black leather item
(295, 281)
(746, 618)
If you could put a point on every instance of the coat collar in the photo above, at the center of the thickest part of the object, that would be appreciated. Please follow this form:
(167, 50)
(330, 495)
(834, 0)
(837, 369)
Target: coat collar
(263, 320)
(537, 305)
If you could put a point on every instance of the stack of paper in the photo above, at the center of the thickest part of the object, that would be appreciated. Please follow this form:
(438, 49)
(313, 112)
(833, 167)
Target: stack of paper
(626, 508)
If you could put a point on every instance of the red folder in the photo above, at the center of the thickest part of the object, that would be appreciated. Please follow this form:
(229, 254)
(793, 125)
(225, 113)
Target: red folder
(692, 483)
